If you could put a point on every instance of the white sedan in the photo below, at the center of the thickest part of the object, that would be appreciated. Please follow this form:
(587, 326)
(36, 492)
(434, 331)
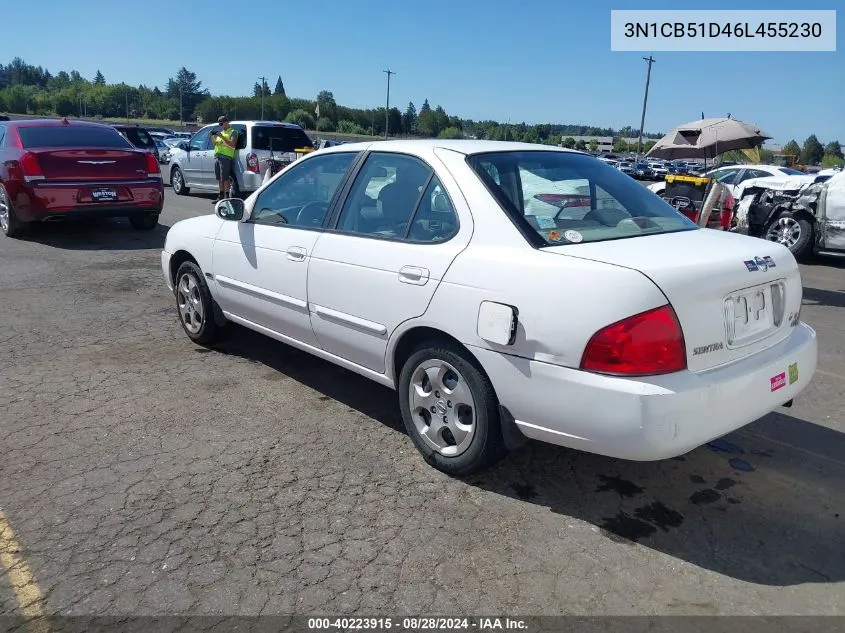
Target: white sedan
(616, 327)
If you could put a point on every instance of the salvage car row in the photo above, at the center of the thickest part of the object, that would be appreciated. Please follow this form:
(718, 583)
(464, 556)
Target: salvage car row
(506, 291)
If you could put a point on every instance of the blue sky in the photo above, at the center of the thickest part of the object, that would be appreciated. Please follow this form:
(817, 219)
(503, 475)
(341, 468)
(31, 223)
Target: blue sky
(535, 61)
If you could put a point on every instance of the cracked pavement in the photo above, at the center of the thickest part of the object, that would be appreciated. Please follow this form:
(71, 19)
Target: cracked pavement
(144, 475)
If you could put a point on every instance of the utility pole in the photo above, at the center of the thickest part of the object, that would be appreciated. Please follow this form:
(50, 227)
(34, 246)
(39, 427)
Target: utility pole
(650, 61)
(181, 118)
(263, 82)
(387, 107)
(126, 96)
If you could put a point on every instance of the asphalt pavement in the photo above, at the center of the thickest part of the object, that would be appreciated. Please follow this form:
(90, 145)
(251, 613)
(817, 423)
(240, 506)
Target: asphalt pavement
(141, 474)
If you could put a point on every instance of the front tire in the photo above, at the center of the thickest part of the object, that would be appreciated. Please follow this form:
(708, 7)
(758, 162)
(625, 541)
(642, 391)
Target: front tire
(177, 181)
(450, 410)
(9, 222)
(195, 305)
(793, 231)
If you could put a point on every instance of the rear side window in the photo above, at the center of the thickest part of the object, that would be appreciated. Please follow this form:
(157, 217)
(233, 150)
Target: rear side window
(138, 136)
(567, 198)
(283, 139)
(71, 136)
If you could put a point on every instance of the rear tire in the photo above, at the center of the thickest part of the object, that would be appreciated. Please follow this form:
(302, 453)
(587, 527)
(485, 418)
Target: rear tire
(177, 181)
(9, 222)
(195, 305)
(145, 222)
(450, 410)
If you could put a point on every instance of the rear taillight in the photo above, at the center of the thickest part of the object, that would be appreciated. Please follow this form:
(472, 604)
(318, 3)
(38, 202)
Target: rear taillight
(30, 167)
(691, 213)
(645, 344)
(726, 215)
(153, 170)
(252, 164)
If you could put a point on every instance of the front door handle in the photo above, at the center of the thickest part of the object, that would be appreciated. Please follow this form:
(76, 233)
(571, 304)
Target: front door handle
(296, 254)
(413, 275)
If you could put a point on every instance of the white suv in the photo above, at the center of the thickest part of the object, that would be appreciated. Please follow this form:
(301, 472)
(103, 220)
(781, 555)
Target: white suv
(192, 162)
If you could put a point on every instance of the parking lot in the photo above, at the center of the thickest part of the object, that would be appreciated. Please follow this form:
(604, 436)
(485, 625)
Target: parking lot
(142, 474)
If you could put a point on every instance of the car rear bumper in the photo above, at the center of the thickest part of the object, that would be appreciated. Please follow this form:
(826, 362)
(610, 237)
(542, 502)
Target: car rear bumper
(653, 418)
(46, 201)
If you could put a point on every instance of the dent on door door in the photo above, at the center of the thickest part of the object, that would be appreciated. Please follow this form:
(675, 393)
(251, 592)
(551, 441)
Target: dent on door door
(261, 266)
(396, 235)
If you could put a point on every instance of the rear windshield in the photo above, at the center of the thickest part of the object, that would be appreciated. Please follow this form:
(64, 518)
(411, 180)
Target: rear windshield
(564, 198)
(138, 136)
(71, 136)
(284, 139)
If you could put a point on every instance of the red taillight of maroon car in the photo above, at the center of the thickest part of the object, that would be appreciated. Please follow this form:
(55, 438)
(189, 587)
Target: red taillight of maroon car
(646, 344)
(153, 170)
(727, 213)
(30, 167)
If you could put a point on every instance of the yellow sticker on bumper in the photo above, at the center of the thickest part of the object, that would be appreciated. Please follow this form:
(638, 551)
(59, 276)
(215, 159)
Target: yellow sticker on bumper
(793, 373)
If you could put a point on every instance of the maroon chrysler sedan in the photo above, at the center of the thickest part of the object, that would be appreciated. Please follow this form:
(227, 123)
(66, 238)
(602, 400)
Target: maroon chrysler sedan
(56, 169)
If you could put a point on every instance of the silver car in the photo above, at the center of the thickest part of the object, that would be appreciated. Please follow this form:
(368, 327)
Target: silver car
(192, 162)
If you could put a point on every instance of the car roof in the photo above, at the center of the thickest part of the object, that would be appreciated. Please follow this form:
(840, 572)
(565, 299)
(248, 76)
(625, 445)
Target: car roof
(54, 123)
(252, 122)
(462, 146)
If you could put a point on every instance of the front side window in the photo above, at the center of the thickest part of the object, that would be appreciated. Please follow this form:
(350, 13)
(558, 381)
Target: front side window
(385, 196)
(200, 140)
(301, 195)
(562, 197)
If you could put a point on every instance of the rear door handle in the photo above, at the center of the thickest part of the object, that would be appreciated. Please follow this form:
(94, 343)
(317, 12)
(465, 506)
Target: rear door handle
(296, 254)
(413, 275)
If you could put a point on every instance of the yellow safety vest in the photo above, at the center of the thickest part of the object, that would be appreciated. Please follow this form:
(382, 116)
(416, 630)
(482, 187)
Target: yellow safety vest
(220, 147)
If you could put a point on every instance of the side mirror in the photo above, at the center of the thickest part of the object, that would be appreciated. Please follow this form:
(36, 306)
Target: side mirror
(230, 209)
(184, 146)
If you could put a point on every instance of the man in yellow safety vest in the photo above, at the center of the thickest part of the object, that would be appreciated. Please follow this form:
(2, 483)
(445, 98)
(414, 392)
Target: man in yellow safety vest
(225, 148)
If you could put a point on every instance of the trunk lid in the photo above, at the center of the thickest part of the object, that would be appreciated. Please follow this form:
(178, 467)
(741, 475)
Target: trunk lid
(734, 295)
(81, 165)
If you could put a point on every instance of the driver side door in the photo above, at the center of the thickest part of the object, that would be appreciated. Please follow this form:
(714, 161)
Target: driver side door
(260, 266)
(193, 166)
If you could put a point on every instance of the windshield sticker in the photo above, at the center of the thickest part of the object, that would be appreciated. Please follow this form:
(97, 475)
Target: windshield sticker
(545, 222)
(573, 236)
(554, 236)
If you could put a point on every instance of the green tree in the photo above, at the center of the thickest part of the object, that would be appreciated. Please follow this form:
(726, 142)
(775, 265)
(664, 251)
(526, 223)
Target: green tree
(257, 89)
(450, 132)
(792, 148)
(280, 87)
(812, 152)
(302, 118)
(833, 149)
(568, 142)
(189, 87)
(99, 80)
(325, 124)
(829, 160)
(65, 103)
(594, 145)
(349, 127)
(580, 144)
(328, 105)
(409, 119)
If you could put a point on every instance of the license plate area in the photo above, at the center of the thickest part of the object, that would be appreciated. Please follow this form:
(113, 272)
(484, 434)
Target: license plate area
(754, 313)
(104, 194)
